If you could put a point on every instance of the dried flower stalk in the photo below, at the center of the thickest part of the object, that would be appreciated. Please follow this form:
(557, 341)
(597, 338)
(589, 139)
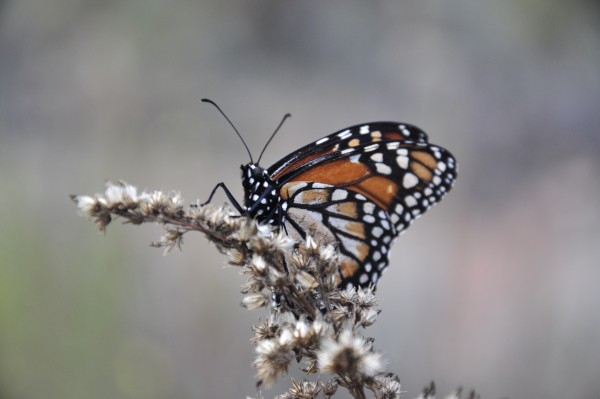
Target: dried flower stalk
(310, 319)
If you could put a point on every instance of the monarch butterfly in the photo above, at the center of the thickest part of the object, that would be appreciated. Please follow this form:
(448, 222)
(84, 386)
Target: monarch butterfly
(359, 188)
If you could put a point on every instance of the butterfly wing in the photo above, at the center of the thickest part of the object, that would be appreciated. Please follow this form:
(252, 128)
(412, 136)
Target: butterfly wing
(344, 139)
(360, 188)
(362, 230)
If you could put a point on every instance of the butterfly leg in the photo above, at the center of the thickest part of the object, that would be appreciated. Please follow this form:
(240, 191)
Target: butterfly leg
(228, 194)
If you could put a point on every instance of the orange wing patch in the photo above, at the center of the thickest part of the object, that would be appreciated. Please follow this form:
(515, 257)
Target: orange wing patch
(396, 136)
(358, 229)
(425, 158)
(354, 142)
(348, 267)
(311, 197)
(303, 161)
(422, 165)
(376, 136)
(421, 171)
(336, 173)
(357, 177)
(289, 189)
(344, 208)
(379, 189)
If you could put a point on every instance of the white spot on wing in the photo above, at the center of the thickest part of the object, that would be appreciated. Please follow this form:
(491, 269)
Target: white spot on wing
(371, 147)
(339, 195)
(410, 201)
(399, 209)
(383, 168)
(385, 224)
(321, 141)
(368, 207)
(409, 180)
(345, 134)
(364, 129)
(354, 158)
(377, 157)
(402, 161)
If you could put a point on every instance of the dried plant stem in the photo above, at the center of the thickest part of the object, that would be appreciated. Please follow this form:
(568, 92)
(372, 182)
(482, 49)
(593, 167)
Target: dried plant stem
(310, 319)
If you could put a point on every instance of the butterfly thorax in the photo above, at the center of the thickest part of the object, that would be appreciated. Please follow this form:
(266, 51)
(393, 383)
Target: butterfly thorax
(261, 198)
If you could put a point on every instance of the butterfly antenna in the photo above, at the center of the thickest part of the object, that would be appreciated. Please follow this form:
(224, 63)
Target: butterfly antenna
(206, 100)
(273, 135)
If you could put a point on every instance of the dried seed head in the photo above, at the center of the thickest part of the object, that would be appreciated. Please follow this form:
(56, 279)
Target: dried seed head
(365, 298)
(310, 246)
(95, 209)
(306, 280)
(85, 203)
(304, 336)
(171, 239)
(349, 356)
(367, 317)
(328, 253)
(387, 387)
(236, 257)
(304, 389)
(264, 331)
(255, 301)
(115, 193)
(258, 266)
(272, 360)
(329, 388)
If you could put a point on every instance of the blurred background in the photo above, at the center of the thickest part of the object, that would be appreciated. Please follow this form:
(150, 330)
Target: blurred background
(496, 288)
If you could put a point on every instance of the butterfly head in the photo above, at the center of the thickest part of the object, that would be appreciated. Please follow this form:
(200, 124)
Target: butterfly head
(261, 198)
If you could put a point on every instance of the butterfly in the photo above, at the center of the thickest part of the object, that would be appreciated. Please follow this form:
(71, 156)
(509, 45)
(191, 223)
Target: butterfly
(358, 188)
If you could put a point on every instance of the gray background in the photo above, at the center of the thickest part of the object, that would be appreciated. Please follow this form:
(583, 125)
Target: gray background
(496, 288)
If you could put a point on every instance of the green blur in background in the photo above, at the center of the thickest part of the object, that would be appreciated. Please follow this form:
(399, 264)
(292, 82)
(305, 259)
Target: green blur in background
(496, 288)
